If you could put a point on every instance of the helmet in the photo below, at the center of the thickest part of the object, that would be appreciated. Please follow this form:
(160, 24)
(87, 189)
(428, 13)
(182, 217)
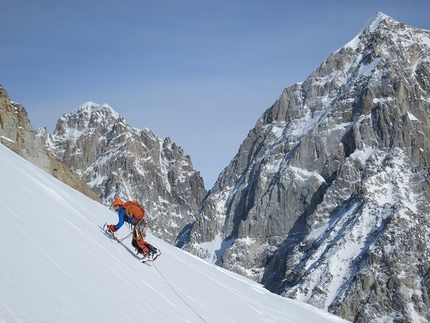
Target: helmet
(117, 202)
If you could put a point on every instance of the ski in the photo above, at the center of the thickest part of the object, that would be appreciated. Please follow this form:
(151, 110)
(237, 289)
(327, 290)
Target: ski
(156, 256)
(147, 260)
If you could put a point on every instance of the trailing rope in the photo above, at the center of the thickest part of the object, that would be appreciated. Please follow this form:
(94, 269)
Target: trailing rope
(177, 293)
(122, 239)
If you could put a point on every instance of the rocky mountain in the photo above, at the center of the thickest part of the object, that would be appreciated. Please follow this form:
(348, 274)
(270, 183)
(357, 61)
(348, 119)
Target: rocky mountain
(17, 133)
(119, 161)
(327, 200)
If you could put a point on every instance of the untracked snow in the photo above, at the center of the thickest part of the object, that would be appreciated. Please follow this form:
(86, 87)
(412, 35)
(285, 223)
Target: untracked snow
(57, 266)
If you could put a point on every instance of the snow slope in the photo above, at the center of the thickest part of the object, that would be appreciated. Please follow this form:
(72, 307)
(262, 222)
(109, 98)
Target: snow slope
(57, 266)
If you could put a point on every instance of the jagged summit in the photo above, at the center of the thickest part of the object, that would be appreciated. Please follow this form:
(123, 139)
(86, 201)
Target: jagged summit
(92, 107)
(375, 21)
(85, 117)
(370, 26)
(385, 24)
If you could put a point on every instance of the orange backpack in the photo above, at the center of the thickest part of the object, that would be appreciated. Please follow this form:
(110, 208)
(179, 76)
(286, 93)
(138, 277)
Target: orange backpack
(134, 208)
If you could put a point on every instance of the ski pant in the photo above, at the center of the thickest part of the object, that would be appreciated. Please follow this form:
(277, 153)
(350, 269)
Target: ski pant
(142, 246)
(139, 243)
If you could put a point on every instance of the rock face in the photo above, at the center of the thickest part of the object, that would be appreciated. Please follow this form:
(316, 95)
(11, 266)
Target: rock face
(17, 134)
(327, 200)
(119, 161)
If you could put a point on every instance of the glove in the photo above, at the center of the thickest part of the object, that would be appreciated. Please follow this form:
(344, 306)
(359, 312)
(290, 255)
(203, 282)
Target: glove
(111, 228)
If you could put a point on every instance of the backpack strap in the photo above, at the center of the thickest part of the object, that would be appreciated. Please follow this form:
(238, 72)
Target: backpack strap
(129, 210)
(139, 233)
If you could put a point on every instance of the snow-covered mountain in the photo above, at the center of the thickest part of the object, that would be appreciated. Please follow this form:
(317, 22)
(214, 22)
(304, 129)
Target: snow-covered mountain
(57, 266)
(119, 161)
(327, 200)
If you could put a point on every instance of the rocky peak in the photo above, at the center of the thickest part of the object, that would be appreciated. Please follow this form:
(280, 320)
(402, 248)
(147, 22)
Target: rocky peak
(119, 161)
(327, 198)
(87, 117)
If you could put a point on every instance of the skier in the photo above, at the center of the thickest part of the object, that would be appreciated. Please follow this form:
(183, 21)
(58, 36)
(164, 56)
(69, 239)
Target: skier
(148, 251)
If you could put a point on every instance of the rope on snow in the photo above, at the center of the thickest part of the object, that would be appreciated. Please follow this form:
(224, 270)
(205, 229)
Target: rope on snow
(177, 293)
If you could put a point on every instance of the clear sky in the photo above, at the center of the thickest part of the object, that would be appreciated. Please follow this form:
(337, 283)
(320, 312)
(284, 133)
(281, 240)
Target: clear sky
(199, 72)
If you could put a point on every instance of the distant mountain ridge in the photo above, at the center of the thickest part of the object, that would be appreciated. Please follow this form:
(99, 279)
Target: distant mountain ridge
(119, 161)
(327, 200)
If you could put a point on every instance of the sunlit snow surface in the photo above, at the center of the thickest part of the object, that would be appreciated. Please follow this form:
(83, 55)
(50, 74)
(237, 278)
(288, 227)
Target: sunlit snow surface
(57, 266)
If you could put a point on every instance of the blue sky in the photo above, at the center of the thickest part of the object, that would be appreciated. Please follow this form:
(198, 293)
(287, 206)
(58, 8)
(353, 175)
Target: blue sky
(199, 72)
